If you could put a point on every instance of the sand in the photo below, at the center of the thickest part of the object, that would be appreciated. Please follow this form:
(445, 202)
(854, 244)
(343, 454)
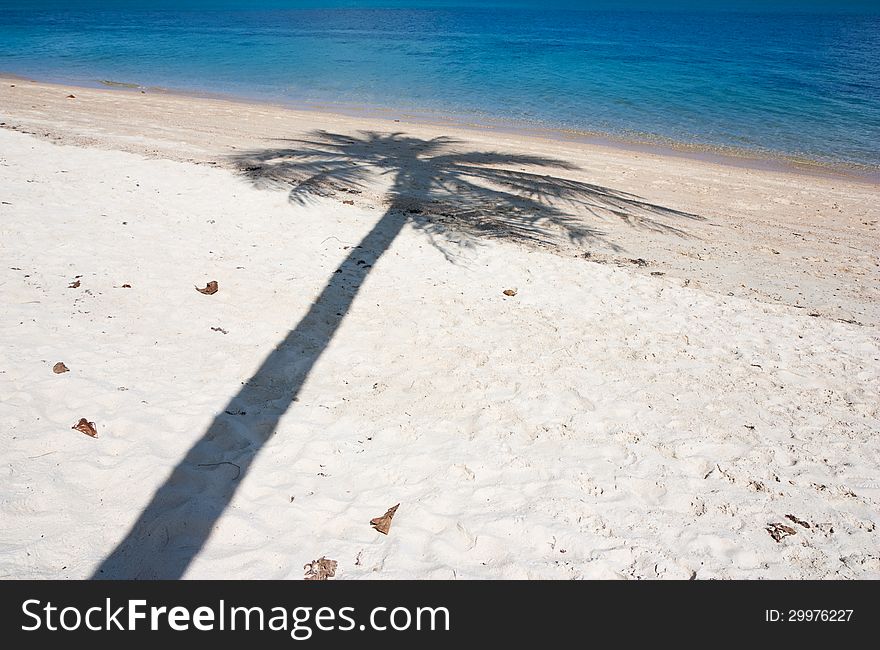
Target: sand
(660, 394)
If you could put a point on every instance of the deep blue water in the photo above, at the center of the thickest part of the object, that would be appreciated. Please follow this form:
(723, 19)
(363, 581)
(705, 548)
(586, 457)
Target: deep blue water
(801, 85)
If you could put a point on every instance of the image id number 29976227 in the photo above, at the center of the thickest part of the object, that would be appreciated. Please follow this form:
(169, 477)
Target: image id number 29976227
(808, 615)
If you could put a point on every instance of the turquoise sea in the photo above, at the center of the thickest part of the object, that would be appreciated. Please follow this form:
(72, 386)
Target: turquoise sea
(777, 84)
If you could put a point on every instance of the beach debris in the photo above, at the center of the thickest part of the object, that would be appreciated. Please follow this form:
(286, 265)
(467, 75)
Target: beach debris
(41, 455)
(71, 97)
(639, 262)
(219, 329)
(86, 427)
(509, 292)
(59, 368)
(210, 289)
(799, 522)
(126, 286)
(348, 202)
(320, 569)
(383, 524)
(74, 285)
(779, 531)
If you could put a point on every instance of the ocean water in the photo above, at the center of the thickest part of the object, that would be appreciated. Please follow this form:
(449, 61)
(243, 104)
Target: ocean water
(800, 85)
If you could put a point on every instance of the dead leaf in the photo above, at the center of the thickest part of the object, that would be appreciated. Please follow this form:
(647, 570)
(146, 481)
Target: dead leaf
(779, 531)
(71, 97)
(86, 427)
(509, 292)
(210, 289)
(73, 285)
(126, 286)
(799, 522)
(59, 367)
(383, 523)
(348, 202)
(320, 569)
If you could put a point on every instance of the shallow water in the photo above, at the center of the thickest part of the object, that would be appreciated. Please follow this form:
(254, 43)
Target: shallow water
(793, 85)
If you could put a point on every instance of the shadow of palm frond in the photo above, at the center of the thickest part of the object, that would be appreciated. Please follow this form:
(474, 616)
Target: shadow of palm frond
(433, 186)
(443, 190)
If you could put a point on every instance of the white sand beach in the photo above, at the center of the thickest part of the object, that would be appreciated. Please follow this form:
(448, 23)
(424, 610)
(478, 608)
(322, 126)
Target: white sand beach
(684, 385)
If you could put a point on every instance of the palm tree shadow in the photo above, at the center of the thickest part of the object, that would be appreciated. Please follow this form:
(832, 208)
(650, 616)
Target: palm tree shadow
(436, 188)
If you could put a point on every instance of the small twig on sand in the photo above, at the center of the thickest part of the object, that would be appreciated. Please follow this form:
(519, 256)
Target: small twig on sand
(326, 239)
(41, 455)
(223, 462)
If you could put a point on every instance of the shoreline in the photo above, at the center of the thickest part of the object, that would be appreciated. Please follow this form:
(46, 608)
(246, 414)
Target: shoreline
(747, 216)
(739, 158)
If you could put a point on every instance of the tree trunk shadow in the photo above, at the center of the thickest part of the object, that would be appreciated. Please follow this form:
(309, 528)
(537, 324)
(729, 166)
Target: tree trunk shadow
(178, 520)
(438, 189)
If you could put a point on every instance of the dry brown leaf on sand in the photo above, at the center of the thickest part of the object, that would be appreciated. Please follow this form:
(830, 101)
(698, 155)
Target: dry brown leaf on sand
(799, 522)
(779, 531)
(383, 523)
(320, 569)
(86, 427)
(210, 289)
(59, 367)
(509, 292)
(73, 285)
